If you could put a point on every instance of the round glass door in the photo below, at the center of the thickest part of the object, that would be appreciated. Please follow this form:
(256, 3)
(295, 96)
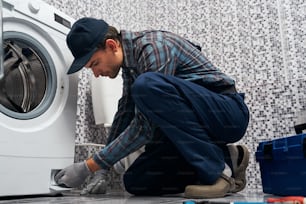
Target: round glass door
(28, 85)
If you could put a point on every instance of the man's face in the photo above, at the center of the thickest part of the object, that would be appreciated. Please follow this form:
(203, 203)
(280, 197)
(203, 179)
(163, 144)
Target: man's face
(106, 62)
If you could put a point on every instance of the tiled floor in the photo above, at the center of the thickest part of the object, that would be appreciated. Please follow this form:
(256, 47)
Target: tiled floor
(124, 198)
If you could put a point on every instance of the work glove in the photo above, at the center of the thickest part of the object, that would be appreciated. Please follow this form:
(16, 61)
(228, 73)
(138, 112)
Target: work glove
(74, 175)
(97, 184)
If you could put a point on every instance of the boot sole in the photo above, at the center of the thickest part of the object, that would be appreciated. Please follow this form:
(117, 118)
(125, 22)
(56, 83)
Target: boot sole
(240, 172)
(221, 188)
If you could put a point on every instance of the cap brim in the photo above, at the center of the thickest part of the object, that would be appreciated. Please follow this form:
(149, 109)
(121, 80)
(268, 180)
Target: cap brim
(79, 63)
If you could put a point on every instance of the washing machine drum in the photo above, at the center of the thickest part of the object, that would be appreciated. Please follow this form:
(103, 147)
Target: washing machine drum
(25, 85)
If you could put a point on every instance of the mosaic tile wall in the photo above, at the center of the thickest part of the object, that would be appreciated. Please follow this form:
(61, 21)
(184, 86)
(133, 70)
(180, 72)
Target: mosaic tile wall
(262, 44)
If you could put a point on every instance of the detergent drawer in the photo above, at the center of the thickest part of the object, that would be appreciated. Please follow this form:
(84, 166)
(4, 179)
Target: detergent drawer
(283, 165)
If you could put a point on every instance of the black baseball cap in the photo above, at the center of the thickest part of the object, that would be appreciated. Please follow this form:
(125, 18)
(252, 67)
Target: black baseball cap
(82, 40)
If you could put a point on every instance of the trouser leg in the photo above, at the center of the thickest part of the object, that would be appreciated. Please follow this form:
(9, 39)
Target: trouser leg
(193, 118)
(161, 169)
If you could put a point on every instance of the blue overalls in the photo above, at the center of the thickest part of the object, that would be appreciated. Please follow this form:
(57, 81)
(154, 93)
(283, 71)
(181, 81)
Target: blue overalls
(194, 126)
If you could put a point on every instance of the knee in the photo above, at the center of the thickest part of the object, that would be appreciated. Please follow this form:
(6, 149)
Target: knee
(132, 186)
(146, 85)
(127, 182)
(145, 81)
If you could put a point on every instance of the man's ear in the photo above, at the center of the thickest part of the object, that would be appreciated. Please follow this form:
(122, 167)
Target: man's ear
(112, 44)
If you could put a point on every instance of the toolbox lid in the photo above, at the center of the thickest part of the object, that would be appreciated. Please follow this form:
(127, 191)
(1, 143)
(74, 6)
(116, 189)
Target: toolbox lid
(292, 147)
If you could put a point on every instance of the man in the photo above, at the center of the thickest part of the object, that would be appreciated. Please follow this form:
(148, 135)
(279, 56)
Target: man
(175, 102)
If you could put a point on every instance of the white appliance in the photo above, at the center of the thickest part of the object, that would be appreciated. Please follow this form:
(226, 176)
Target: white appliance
(105, 94)
(37, 99)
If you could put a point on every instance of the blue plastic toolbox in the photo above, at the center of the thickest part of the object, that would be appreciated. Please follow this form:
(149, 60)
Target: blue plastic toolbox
(283, 165)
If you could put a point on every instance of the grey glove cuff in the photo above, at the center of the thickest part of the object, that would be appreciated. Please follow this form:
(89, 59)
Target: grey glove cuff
(84, 170)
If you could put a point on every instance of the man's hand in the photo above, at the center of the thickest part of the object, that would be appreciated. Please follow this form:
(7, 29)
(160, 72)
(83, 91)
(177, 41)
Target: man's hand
(74, 175)
(97, 184)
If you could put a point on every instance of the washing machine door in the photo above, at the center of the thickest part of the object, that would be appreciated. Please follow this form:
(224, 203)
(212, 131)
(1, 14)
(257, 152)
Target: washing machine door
(28, 84)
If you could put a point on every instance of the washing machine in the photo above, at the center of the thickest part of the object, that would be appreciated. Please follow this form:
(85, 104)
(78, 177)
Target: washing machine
(38, 100)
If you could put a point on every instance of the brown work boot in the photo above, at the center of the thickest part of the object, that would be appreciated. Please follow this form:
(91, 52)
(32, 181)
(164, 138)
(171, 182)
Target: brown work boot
(240, 156)
(223, 186)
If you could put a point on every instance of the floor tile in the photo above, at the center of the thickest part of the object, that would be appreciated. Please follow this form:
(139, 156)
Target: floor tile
(125, 198)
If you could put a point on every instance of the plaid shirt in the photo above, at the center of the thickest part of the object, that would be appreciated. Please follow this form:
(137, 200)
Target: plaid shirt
(153, 51)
